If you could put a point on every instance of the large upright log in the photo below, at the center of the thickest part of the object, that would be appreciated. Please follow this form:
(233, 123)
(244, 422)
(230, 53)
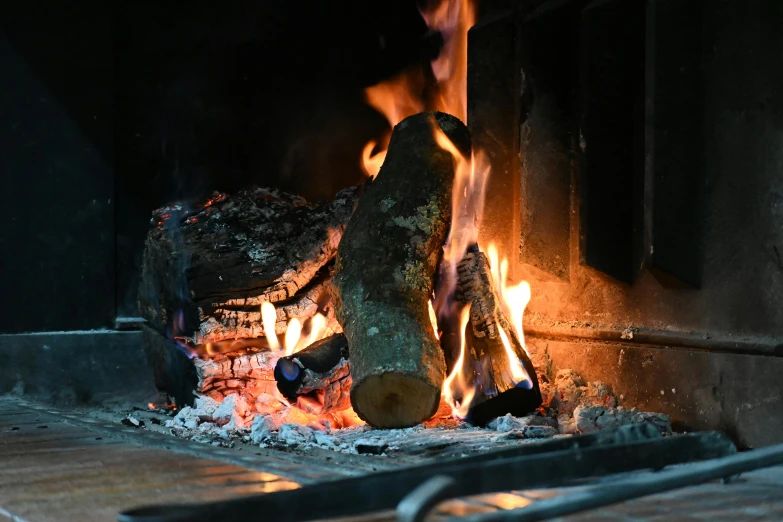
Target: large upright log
(208, 267)
(385, 267)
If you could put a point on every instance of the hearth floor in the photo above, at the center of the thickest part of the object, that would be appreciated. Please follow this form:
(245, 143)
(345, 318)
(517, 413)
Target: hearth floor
(65, 465)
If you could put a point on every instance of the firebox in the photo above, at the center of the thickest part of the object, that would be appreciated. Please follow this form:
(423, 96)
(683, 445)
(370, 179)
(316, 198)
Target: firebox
(436, 245)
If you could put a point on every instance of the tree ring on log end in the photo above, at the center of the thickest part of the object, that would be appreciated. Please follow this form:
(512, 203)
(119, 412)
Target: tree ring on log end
(403, 399)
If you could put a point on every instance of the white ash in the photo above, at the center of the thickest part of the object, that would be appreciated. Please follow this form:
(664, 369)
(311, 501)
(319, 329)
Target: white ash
(510, 423)
(589, 419)
(572, 406)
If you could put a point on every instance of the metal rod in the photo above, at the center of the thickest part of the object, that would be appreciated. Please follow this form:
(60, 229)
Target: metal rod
(636, 487)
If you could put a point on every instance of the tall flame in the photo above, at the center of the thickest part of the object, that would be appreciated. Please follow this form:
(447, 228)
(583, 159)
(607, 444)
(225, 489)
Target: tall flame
(400, 97)
(456, 384)
(293, 340)
(452, 19)
(269, 320)
(404, 94)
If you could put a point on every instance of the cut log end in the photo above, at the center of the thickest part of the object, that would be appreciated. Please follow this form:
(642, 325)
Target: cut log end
(394, 400)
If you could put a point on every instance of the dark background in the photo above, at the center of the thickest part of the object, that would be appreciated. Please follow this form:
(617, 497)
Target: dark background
(109, 110)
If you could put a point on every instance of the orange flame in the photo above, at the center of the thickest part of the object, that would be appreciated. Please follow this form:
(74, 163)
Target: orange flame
(403, 95)
(514, 299)
(293, 340)
(269, 320)
(456, 384)
(467, 203)
(433, 319)
(400, 97)
(451, 18)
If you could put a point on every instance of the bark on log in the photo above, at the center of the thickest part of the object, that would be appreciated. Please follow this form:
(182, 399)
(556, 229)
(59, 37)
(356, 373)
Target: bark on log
(384, 275)
(498, 392)
(208, 267)
(317, 379)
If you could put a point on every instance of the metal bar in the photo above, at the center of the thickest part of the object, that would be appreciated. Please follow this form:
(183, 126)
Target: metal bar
(385, 490)
(638, 487)
(750, 345)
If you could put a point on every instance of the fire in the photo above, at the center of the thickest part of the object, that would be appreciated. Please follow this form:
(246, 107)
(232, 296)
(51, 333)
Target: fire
(433, 319)
(269, 319)
(471, 176)
(452, 19)
(404, 94)
(456, 384)
(372, 162)
(293, 341)
(514, 299)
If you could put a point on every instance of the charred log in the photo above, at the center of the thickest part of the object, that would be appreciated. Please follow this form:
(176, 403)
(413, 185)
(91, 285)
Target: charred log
(498, 390)
(384, 275)
(317, 379)
(208, 267)
(249, 375)
(173, 370)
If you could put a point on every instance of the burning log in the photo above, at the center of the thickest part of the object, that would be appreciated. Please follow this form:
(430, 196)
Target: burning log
(249, 375)
(208, 268)
(502, 386)
(317, 379)
(385, 267)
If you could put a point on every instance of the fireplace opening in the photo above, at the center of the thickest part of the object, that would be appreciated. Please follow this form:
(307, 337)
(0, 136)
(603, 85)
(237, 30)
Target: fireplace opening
(438, 240)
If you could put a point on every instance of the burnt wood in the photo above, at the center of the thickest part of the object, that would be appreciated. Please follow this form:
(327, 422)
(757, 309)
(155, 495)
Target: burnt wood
(174, 372)
(208, 267)
(497, 392)
(317, 379)
(248, 374)
(385, 267)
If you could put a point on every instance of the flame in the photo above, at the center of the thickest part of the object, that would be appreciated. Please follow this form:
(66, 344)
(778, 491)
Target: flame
(396, 98)
(292, 335)
(514, 299)
(372, 162)
(452, 19)
(467, 202)
(433, 319)
(400, 97)
(269, 319)
(456, 384)
(293, 340)
(404, 94)
(317, 330)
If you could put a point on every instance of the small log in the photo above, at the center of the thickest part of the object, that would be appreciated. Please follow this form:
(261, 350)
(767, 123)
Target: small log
(208, 267)
(384, 275)
(497, 391)
(317, 379)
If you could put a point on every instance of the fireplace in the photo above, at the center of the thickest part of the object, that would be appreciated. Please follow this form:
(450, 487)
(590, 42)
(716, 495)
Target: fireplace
(565, 221)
